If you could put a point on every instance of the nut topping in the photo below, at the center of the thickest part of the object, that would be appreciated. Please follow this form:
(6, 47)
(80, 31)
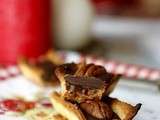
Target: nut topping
(97, 109)
(88, 86)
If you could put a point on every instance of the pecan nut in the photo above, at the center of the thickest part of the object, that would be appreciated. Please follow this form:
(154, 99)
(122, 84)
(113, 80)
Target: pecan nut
(97, 109)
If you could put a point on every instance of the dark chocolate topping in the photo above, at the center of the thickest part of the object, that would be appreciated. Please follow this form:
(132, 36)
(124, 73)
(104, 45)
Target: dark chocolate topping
(84, 81)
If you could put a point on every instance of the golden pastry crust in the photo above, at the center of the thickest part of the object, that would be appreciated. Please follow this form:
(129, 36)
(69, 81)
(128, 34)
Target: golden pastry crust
(54, 57)
(67, 109)
(124, 110)
(114, 79)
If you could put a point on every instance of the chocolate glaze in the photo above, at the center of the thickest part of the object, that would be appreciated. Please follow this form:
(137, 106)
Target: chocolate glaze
(84, 82)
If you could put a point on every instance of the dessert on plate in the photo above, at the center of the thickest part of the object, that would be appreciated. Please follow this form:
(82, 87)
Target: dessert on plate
(85, 94)
(85, 90)
(41, 71)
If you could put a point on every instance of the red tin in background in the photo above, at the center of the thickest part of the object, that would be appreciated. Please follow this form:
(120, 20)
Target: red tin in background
(24, 29)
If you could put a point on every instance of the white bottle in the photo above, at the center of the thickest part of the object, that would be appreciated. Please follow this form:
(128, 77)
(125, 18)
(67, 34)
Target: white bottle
(72, 22)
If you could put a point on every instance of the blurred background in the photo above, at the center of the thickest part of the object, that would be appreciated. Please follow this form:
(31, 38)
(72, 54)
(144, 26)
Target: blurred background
(123, 30)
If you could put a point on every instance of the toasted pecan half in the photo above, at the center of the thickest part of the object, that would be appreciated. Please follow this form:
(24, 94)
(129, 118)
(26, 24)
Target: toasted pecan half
(97, 109)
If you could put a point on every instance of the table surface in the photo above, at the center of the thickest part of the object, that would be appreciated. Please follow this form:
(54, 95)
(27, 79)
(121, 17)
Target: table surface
(131, 92)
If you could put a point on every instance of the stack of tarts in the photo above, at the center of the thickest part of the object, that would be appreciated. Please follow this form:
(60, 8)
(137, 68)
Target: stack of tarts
(85, 94)
(85, 90)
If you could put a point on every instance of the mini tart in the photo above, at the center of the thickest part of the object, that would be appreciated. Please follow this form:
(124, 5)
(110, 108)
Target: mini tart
(111, 109)
(70, 75)
(41, 71)
(65, 108)
(78, 81)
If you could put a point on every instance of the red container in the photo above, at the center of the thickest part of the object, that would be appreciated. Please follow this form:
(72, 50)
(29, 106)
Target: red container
(24, 29)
